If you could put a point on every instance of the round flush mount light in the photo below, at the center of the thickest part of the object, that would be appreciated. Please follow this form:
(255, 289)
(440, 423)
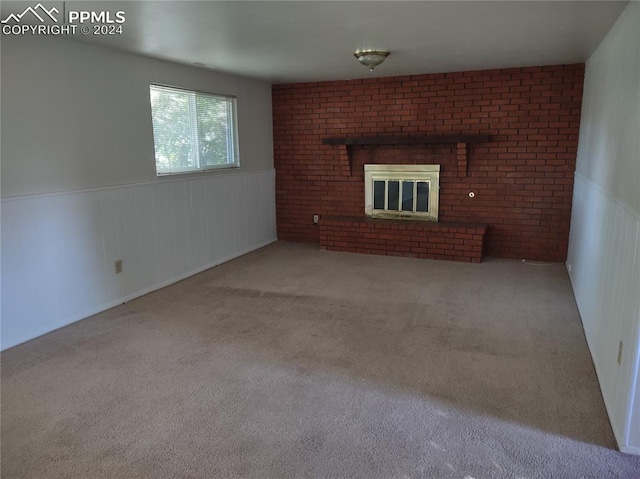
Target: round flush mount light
(371, 58)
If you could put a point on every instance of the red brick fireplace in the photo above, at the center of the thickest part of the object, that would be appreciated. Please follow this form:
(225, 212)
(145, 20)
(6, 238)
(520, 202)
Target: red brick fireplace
(520, 169)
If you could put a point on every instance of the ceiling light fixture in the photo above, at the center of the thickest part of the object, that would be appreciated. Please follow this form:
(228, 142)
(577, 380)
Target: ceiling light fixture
(371, 58)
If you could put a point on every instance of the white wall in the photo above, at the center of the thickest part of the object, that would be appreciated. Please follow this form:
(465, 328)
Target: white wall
(604, 247)
(77, 116)
(79, 189)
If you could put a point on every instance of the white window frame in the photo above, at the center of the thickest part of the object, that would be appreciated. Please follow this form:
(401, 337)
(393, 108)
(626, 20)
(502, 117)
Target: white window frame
(232, 145)
(415, 173)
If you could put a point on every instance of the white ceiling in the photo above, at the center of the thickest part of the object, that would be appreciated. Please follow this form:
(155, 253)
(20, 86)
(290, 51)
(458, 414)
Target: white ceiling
(298, 41)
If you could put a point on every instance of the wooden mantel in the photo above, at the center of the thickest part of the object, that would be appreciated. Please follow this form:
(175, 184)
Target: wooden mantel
(460, 140)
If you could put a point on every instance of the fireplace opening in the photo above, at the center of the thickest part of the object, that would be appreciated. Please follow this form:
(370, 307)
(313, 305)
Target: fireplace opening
(407, 192)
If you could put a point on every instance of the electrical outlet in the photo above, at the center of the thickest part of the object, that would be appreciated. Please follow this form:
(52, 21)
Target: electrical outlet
(316, 218)
(569, 267)
(118, 266)
(620, 353)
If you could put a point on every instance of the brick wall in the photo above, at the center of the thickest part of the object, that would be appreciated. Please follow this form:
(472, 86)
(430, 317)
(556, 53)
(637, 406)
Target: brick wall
(522, 178)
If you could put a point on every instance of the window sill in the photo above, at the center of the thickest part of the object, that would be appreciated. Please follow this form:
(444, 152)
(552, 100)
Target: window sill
(197, 172)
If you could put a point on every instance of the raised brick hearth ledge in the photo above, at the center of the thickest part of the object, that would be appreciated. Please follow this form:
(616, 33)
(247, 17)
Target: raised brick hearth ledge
(417, 239)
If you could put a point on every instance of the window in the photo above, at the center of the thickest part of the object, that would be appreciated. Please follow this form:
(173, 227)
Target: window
(402, 191)
(193, 131)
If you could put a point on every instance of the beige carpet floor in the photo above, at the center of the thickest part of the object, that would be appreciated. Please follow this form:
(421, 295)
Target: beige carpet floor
(292, 362)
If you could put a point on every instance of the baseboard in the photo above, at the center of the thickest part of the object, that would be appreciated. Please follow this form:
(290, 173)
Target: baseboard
(137, 294)
(617, 435)
(176, 279)
(605, 399)
(635, 450)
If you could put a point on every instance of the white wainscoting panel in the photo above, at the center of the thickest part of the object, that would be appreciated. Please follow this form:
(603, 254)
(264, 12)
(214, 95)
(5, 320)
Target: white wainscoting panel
(604, 260)
(58, 250)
